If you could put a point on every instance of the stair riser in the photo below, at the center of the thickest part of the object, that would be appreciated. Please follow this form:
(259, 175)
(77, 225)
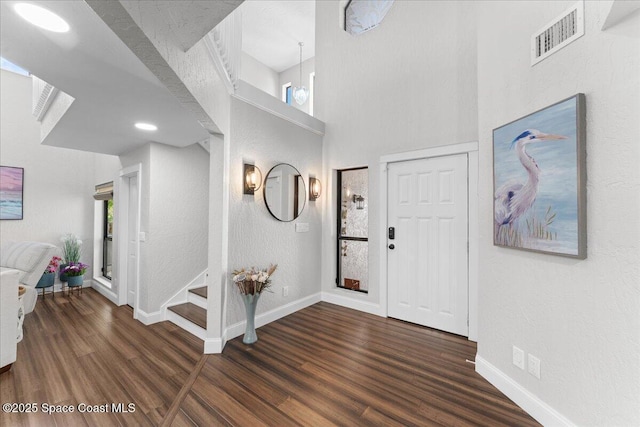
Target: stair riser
(186, 324)
(197, 300)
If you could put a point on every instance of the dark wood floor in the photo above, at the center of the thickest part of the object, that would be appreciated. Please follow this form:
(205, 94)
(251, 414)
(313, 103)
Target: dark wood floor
(83, 349)
(324, 365)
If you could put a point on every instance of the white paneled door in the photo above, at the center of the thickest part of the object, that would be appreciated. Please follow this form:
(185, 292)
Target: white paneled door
(427, 242)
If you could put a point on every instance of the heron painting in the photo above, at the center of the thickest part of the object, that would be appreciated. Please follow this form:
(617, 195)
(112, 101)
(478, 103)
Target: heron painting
(539, 196)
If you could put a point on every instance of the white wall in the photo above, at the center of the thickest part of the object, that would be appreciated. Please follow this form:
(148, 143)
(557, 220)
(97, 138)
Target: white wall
(174, 218)
(292, 75)
(196, 70)
(259, 75)
(581, 318)
(58, 184)
(408, 84)
(255, 237)
(178, 219)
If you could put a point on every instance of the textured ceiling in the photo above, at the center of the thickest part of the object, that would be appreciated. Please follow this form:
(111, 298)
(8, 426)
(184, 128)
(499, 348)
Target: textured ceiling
(271, 31)
(112, 88)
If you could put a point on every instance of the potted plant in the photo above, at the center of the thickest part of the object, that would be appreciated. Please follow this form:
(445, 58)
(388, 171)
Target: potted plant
(251, 283)
(71, 250)
(49, 275)
(75, 273)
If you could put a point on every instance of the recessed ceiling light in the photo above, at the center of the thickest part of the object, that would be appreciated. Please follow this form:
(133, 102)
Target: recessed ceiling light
(146, 126)
(41, 17)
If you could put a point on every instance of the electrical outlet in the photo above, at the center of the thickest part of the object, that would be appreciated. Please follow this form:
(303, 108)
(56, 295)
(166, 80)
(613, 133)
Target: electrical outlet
(518, 357)
(285, 291)
(533, 366)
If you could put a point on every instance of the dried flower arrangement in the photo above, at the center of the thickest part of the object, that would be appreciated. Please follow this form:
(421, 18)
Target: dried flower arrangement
(253, 281)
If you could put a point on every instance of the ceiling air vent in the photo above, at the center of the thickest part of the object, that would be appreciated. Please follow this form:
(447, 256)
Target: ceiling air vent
(43, 95)
(563, 30)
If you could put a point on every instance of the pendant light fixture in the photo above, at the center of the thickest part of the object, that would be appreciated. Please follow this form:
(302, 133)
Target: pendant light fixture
(300, 93)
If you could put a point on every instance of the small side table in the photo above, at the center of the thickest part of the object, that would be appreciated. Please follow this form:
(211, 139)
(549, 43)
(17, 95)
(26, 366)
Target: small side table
(21, 292)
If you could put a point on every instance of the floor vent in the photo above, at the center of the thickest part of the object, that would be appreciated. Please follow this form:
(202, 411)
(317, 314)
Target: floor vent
(564, 29)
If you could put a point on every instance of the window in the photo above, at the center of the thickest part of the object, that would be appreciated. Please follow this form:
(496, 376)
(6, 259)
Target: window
(103, 231)
(353, 230)
(107, 240)
(10, 66)
(287, 93)
(312, 88)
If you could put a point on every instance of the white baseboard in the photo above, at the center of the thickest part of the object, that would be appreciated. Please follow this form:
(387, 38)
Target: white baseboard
(356, 304)
(535, 407)
(213, 345)
(150, 318)
(104, 291)
(237, 329)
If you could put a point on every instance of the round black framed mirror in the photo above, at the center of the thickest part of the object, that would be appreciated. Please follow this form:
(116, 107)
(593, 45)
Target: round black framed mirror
(284, 192)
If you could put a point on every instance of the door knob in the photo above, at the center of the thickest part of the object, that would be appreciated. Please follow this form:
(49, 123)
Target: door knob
(392, 246)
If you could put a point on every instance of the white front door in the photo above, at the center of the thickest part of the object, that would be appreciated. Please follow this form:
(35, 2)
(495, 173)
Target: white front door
(428, 256)
(132, 241)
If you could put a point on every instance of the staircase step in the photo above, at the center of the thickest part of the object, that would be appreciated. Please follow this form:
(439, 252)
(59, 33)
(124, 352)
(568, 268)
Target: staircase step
(192, 313)
(200, 291)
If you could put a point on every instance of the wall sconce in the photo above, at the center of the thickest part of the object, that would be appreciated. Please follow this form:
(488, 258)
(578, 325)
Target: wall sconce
(315, 189)
(359, 201)
(252, 179)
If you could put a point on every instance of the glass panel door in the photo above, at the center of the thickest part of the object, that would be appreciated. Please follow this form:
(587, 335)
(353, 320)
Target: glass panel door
(353, 229)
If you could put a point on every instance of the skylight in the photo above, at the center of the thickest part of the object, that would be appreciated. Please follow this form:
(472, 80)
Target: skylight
(10, 66)
(41, 17)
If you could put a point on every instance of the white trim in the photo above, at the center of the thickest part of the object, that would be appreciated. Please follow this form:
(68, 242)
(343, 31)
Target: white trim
(103, 281)
(473, 207)
(532, 404)
(270, 104)
(150, 318)
(123, 206)
(98, 231)
(214, 345)
(355, 304)
(237, 329)
(218, 237)
(312, 89)
(185, 324)
(182, 295)
(104, 291)
(283, 96)
(196, 299)
(441, 150)
(217, 61)
(469, 148)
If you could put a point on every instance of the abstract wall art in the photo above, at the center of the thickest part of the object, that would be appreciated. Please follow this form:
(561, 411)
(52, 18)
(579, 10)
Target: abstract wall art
(11, 195)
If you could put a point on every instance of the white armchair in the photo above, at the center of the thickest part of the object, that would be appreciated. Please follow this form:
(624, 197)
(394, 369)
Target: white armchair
(8, 317)
(30, 259)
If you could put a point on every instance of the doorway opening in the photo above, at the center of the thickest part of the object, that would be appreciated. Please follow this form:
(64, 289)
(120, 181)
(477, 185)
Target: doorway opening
(353, 229)
(129, 208)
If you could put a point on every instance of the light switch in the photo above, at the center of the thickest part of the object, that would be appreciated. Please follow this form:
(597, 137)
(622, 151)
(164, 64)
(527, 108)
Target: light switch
(142, 236)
